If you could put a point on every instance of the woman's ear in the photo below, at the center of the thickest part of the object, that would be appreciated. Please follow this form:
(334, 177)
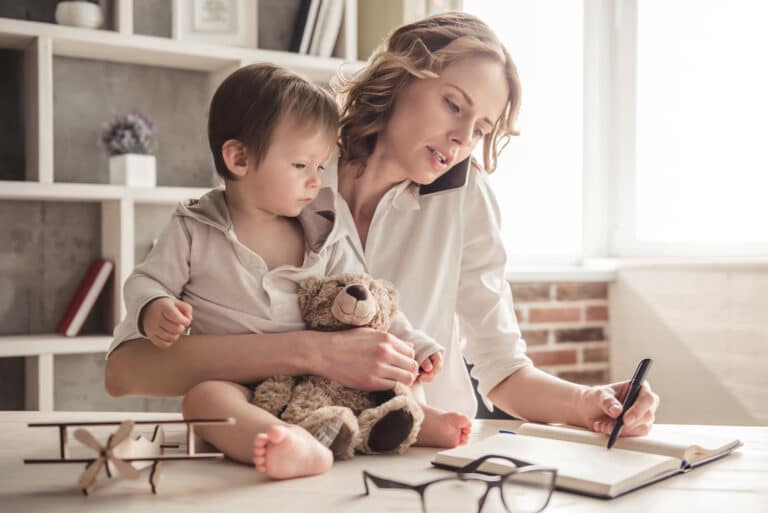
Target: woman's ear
(235, 156)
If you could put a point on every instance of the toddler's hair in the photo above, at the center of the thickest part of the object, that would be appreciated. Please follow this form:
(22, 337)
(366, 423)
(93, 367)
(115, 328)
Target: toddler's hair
(250, 102)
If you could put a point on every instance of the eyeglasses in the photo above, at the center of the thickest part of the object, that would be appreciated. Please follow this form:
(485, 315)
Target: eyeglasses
(525, 489)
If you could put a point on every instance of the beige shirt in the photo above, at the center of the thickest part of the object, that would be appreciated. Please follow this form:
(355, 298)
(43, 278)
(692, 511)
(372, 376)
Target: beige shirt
(199, 259)
(441, 247)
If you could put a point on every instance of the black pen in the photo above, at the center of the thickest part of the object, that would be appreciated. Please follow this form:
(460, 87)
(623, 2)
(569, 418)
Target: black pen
(634, 389)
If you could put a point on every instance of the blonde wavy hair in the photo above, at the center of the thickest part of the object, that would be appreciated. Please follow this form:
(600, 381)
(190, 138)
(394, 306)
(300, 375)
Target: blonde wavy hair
(420, 50)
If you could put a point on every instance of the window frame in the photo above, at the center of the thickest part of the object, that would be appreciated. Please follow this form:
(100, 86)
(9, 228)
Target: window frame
(609, 172)
(623, 239)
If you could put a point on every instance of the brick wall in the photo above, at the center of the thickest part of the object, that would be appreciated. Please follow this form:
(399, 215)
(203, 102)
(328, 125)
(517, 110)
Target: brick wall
(566, 328)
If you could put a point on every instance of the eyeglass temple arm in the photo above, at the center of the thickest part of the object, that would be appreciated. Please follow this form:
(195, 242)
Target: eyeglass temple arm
(472, 466)
(380, 482)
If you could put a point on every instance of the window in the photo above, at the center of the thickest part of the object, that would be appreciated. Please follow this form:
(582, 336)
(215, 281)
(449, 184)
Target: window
(538, 181)
(654, 150)
(699, 175)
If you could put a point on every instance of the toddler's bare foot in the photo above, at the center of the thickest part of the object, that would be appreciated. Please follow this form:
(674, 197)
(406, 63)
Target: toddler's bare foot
(284, 452)
(443, 429)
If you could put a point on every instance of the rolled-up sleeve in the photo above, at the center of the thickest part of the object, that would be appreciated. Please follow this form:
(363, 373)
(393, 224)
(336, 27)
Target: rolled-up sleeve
(164, 273)
(423, 344)
(485, 309)
(345, 258)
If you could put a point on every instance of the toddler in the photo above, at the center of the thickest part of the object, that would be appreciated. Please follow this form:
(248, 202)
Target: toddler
(230, 262)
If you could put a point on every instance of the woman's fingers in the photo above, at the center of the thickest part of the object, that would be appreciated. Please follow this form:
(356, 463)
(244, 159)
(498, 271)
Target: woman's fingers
(641, 426)
(645, 404)
(404, 348)
(392, 373)
(371, 360)
(609, 404)
(382, 384)
(630, 426)
(395, 362)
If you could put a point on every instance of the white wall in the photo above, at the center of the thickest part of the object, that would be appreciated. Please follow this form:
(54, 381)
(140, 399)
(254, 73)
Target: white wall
(706, 326)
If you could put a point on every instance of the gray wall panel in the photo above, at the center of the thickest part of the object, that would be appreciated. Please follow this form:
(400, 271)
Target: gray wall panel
(89, 94)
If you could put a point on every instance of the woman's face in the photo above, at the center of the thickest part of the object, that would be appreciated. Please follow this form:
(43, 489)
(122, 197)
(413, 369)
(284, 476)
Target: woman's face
(436, 122)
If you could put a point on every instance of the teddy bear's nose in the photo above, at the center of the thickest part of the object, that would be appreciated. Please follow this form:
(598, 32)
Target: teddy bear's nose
(357, 292)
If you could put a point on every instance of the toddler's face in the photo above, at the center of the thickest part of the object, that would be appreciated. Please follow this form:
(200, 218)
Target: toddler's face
(288, 178)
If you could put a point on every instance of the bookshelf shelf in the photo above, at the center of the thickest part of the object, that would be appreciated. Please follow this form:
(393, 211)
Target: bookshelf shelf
(39, 351)
(35, 191)
(36, 345)
(105, 45)
(129, 217)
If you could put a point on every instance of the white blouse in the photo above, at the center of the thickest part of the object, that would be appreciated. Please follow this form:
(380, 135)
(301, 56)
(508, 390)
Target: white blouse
(199, 259)
(441, 247)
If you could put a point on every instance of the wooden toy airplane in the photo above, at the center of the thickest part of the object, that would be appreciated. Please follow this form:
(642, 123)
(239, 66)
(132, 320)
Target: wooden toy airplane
(123, 454)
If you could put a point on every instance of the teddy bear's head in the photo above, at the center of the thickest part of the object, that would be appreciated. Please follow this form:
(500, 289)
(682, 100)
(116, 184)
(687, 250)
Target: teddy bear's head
(346, 301)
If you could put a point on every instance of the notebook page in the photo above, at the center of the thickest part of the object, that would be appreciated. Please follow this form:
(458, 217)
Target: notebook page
(583, 467)
(674, 444)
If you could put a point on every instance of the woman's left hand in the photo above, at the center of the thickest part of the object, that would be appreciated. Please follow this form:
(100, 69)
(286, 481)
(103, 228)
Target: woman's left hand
(600, 408)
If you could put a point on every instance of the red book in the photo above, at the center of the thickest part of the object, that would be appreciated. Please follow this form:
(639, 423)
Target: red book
(87, 293)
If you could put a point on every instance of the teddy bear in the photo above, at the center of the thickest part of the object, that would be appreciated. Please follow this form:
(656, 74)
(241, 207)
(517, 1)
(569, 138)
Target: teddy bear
(345, 419)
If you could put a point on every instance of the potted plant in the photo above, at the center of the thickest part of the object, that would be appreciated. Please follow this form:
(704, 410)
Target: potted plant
(130, 142)
(79, 13)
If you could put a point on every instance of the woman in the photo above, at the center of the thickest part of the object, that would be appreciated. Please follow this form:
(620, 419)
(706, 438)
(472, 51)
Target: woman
(435, 90)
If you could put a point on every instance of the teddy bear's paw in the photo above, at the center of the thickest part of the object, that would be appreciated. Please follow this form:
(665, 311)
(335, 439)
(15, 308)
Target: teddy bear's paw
(391, 427)
(389, 432)
(336, 428)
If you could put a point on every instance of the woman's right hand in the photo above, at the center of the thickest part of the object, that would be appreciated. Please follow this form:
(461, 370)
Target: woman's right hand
(367, 359)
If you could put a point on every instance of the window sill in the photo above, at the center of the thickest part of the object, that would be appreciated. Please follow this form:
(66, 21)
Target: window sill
(589, 271)
(606, 270)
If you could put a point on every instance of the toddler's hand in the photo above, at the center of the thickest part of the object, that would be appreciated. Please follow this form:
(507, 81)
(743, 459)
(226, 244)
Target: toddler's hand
(165, 319)
(430, 367)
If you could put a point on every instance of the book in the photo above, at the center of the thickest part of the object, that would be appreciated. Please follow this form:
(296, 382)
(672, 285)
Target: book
(82, 302)
(298, 25)
(584, 464)
(327, 28)
(277, 23)
(309, 26)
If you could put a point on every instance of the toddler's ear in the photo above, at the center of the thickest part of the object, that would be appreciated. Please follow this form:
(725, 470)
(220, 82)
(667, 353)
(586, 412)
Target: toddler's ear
(235, 155)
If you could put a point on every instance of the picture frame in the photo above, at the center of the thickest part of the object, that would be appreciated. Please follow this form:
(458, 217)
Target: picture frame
(219, 22)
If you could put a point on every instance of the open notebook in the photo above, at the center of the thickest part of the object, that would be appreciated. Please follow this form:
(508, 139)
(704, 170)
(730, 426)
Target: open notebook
(584, 464)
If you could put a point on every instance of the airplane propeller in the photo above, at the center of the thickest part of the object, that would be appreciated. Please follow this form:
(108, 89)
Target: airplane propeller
(105, 455)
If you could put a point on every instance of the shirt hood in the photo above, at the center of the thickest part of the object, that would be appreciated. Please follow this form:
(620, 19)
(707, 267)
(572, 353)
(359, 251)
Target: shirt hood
(318, 219)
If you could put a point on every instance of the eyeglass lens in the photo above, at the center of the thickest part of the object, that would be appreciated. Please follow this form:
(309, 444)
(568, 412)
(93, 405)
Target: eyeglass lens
(453, 495)
(527, 492)
(521, 493)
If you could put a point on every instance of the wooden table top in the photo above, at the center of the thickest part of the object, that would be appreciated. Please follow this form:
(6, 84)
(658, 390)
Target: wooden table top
(736, 483)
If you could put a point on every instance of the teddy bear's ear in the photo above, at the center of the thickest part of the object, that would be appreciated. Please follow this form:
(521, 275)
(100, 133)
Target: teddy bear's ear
(358, 278)
(308, 289)
(386, 293)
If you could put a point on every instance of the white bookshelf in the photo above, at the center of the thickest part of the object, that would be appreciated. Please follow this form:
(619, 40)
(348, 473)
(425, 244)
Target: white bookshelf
(40, 43)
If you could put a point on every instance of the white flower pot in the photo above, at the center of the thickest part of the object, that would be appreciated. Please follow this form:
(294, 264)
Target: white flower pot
(132, 169)
(79, 14)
